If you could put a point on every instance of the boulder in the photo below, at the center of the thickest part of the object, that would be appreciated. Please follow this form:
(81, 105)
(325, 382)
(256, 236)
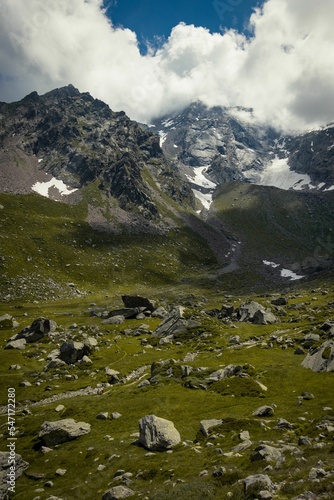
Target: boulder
(126, 312)
(160, 313)
(157, 434)
(207, 425)
(175, 324)
(117, 493)
(61, 431)
(20, 467)
(255, 313)
(253, 485)
(321, 359)
(264, 411)
(114, 320)
(267, 453)
(228, 371)
(39, 328)
(71, 352)
(281, 301)
(7, 321)
(134, 301)
(19, 344)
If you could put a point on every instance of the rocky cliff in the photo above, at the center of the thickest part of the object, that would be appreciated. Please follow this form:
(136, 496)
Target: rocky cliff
(79, 140)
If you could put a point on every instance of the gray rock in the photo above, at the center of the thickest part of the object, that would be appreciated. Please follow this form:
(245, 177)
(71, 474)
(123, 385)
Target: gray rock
(321, 359)
(264, 411)
(160, 313)
(117, 493)
(207, 425)
(267, 453)
(144, 383)
(228, 371)
(133, 301)
(20, 467)
(281, 301)
(175, 324)
(7, 321)
(39, 328)
(103, 416)
(71, 352)
(256, 483)
(157, 434)
(255, 313)
(19, 344)
(127, 312)
(112, 375)
(61, 431)
(114, 320)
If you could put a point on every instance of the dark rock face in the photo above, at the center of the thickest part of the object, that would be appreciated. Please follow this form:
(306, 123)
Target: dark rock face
(313, 154)
(40, 328)
(79, 140)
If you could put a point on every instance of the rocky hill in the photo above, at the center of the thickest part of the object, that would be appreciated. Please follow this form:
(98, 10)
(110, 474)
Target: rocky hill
(77, 140)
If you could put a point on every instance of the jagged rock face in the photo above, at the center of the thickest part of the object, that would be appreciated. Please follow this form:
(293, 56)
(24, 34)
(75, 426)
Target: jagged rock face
(216, 138)
(313, 154)
(79, 139)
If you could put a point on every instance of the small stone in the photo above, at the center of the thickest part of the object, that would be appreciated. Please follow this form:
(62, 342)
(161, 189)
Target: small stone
(60, 408)
(117, 493)
(103, 416)
(61, 472)
(48, 484)
(25, 383)
(115, 415)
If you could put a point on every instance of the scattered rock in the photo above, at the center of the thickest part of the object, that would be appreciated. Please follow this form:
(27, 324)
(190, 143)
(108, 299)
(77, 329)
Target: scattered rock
(19, 344)
(160, 313)
(114, 320)
(255, 313)
(266, 452)
(7, 321)
(321, 359)
(20, 467)
(103, 416)
(112, 375)
(264, 411)
(117, 493)
(71, 352)
(39, 328)
(134, 301)
(281, 301)
(175, 324)
(157, 434)
(60, 472)
(207, 425)
(254, 484)
(53, 433)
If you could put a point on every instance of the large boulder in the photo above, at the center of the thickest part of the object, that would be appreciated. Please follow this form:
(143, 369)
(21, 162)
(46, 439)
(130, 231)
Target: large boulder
(117, 493)
(253, 485)
(255, 313)
(5, 471)
(71, 352)
(134, 301)
(321, 359)
(40, 328)
(157, 434)
(61, 431)
(267, 453)
(175, 324)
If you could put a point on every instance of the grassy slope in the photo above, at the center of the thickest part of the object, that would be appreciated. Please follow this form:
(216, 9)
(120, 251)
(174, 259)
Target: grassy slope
(279, 369)
(290, 228)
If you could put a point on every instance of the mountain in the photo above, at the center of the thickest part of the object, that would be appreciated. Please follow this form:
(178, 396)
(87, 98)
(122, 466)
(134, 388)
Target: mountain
(212, 146)
(66, 140)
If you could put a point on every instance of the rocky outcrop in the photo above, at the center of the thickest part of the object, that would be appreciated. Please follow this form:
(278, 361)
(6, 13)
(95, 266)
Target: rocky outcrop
(117, 493)
(157, 434)
(5, 464)
(39, 329)
(61, 431)
(321, 359)
(175, 324)
(256, 313)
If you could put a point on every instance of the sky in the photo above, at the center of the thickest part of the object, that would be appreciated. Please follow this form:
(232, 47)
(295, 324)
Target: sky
(152, 58)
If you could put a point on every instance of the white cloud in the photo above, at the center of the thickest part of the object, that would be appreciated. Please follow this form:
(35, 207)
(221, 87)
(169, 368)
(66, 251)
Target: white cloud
(285, 71)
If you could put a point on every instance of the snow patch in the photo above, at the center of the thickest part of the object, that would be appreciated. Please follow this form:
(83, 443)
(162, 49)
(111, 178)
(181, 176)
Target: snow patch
(285, 273)
(278, 173)
(42, 188)
(204, 198)
(163, 137)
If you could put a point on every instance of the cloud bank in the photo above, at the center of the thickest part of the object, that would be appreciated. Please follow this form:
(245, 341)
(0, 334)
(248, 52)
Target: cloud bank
(284, 70)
